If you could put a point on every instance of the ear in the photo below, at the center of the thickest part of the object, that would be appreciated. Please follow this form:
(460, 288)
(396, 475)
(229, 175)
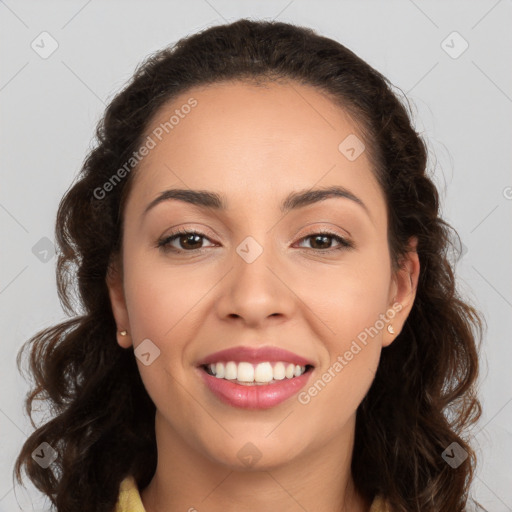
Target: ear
(403, 291)
(114, 280)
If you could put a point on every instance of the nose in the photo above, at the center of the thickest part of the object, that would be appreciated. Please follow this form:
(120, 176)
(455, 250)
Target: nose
(256, 292)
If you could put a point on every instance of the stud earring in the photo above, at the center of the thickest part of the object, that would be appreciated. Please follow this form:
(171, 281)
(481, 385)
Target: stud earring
(390, 329)
(123, 333)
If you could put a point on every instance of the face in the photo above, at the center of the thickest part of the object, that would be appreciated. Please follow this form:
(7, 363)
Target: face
(268, 270)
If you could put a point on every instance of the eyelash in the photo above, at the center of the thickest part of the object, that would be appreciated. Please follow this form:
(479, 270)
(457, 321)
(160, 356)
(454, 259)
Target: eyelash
(164, 243)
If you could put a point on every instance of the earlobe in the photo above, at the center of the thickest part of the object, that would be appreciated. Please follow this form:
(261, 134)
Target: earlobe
(123, 339)
(114, 283)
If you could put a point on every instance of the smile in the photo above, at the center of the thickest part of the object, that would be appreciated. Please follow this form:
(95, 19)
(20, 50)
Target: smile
(246, 373)
(254, 377)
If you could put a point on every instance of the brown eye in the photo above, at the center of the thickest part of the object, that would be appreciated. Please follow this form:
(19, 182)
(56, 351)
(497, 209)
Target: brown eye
(323, 241)
(187, 241)
(191, 241)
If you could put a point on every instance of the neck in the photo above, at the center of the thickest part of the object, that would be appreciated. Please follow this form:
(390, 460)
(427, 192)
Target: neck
(185, 479)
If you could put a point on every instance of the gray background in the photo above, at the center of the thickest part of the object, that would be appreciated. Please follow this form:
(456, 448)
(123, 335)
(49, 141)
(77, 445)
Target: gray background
(463, 107)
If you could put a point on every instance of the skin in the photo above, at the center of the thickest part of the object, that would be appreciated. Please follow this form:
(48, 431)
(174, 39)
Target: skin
(254, 146)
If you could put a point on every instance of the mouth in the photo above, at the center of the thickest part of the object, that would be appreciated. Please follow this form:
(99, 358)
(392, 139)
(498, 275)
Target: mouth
(254, 378)
(248, 393)
(264, 373)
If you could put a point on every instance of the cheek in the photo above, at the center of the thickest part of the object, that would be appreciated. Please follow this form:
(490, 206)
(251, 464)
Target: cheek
(160, 304)
(347, 298)
(351, 349)
(161, 299)
(351, 322)
(166, 305)
(349, 305)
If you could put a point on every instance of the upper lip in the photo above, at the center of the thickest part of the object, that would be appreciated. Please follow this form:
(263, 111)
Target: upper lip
(255, 355)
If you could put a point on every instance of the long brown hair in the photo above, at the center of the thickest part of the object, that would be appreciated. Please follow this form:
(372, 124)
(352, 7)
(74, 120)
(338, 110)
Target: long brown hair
(423, 397)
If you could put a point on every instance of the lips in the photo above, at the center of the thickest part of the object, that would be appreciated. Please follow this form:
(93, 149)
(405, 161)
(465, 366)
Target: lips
(254, 395)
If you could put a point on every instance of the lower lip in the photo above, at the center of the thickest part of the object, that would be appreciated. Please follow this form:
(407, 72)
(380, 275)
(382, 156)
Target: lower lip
(256, 396)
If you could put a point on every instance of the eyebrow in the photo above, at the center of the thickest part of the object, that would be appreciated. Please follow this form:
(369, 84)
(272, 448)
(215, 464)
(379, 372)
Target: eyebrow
(293, 201)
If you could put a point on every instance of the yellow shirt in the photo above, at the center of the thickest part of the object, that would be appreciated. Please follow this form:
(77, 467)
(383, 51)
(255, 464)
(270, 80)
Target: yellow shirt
(129, 499)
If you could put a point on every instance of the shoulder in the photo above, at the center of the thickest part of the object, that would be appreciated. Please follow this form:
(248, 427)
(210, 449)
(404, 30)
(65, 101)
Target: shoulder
(380, 504)
(129, 499)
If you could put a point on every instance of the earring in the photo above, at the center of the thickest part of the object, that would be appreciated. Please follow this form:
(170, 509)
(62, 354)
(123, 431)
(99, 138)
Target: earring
(390, 329)
(123, 333)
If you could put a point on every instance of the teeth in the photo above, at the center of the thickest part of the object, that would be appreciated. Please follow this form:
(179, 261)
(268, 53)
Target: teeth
(261, 373)
(245, 372)
(219, 370)
(279, 372)
(231, 371)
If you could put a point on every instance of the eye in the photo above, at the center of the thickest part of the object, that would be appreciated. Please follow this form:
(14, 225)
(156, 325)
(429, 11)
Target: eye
(321, 241)
(187, 240)
(190, 241)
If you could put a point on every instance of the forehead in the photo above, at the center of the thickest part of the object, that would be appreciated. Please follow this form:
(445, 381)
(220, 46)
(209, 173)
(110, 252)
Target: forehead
(263, 140)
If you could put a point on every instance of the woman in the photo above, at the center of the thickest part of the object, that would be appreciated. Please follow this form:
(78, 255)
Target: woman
(269, 315)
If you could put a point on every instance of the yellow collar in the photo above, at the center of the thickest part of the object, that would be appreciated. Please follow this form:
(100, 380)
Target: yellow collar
(129, 499)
